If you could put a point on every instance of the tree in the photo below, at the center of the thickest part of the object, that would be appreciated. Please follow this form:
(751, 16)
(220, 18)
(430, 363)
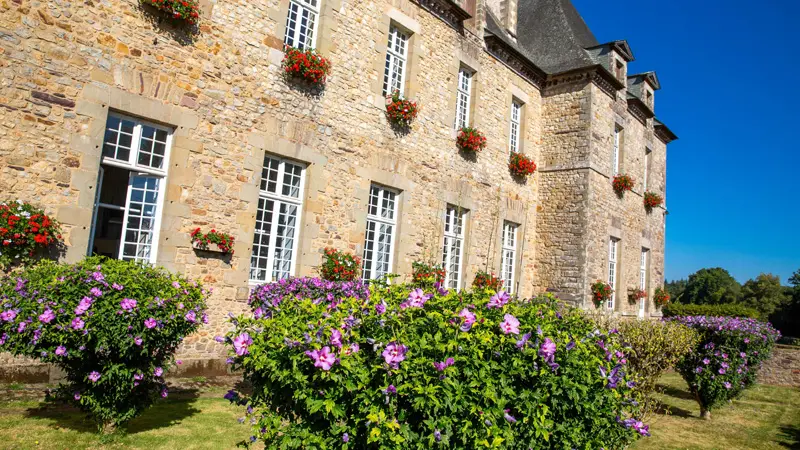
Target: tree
(675, 288)
(711, 286)
(765, 294)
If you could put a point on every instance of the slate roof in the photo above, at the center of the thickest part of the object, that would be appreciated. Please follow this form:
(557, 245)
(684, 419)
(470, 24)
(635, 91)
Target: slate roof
(554, 34)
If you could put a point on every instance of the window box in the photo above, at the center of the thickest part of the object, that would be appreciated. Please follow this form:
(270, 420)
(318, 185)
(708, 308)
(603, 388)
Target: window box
(520, 165)
(621, 184)
(652, 200)
(635, 294)
(223, 243)
(305, 65)
(187, 11)
(602, 293)
(470, 140)
(400, 112)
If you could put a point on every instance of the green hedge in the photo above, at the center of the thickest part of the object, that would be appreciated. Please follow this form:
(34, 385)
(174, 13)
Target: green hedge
(730, 310)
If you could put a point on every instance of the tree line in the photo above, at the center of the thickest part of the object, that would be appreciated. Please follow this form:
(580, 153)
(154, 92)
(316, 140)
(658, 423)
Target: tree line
(765, 293)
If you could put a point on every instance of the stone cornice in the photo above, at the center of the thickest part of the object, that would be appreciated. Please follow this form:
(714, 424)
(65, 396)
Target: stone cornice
(515, 60)
(664, 133)
(639, 109)
(597, 74)
(449, 11)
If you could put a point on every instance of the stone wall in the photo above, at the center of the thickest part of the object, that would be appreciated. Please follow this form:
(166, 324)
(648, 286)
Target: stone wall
(783, 369)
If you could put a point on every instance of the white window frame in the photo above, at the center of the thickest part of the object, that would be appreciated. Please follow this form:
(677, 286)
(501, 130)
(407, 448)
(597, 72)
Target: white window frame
(278, 199)
(291, 37)
(615, 158)
(136, 170)
(508, 258)
(645, 179)
(643, 278)
(463, 97)
(515, 126)
(455, 218)
(613, 269)
(377, 220)
(396, 60)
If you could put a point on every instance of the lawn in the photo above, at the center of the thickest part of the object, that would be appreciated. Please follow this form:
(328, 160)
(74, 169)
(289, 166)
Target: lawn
(767, 417)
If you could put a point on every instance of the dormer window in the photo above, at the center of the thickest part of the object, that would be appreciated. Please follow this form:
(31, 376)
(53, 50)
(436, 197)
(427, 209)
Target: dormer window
(649, 98)
(619, 70)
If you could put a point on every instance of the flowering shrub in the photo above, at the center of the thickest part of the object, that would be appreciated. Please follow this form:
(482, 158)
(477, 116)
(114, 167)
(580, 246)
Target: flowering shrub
(112, 326)
(269, 296)
(660, 297)
(427, 275)
(400, 111)
(223, 241)
(622, 183)
(339, 266)
(408, 368)
(634, 295)
(186, 10)
(726, 359)
(24, 231)
(470, 140)
(520, 165)
(486, 280)
(601, 293)
(652, 200)
(306, 65)
(725, 309)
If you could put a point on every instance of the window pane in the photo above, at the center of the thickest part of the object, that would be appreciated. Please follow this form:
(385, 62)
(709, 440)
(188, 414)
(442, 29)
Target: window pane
(140, 226)
(379, 235)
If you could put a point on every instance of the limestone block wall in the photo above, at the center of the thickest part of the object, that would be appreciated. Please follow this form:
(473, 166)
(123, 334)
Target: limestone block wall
(64, 66)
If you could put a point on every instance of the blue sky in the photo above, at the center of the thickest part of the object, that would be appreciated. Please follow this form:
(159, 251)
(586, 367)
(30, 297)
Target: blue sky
(730, 90)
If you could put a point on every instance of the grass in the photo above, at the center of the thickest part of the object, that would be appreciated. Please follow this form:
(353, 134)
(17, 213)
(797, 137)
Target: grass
(766, 417)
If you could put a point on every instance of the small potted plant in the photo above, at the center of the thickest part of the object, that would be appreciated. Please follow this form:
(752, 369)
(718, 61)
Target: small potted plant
(520, 165)
(25, 232)
(339, 266)
(601, 293)
(400, 111)
(425, 274)
(621, 184)
(187, 11)
(636, 294)
(487, 280)
(470, 140)
(652, 200)
(660, 297)
(224, 242)
(305, 65)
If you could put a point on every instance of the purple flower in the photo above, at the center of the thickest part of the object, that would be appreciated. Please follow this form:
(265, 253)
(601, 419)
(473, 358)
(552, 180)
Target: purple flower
(727, 385)
(525, 338)
(150, 323)
(127, 304)
(323, 359)
(498, 300)
(345, 437)
(469, 319)
(381, 307)
(116, 287)
(164, 393)
(47, 316)
(394, 354)
(706, 361)
(138, 341)
(94, 376)
(437, 435)
(241, 342)
(176, 285)
(22, 326)
(571, 345)
(76, 395)
(191, 316)
(721, 371)
(83, 306)
(158, 372)
(440, 289)
(510, 324)
(258, 313)
(77, 323)
(96, 292)
(336, 338)
(230, 395)
(61, 350)
(391, 389)
(8, 315)
(548, 349)
(698, 369)
(509, 417)
(416, 299)
(138, 377)
(440, 366)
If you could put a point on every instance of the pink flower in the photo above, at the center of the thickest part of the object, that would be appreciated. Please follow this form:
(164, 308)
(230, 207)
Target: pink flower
(191, 316)
(510, 324)
(96, 292)
(76, 395)
(77, 323)
(83, 306)
(127, 304)
(9, 315)
(164, 393)
(469, 319)
(336, 338)
(394, 354)
(158, 372)
(47, 316)
(138, 341)
(150, 323)
(241, 342)
(94, 377)
(498, 300)
(61, 350)
(323, 359)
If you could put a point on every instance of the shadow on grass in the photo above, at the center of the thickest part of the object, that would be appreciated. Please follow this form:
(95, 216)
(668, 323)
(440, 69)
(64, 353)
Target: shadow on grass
(162, 414)
(672, 391)
(791, 435)
(667, 410)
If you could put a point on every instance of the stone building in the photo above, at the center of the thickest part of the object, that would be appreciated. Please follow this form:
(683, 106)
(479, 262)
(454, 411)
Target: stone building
(134, 130)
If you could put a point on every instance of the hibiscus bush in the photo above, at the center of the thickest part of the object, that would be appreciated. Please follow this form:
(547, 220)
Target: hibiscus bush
(407, 368)
(112, 326)
(725, 309)
(25, 233)
(726, 359)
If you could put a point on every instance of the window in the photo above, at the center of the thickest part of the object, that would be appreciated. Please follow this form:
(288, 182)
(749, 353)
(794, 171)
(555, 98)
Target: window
(301, 24)
(280, 202)
(516, 114)
(381, 229)
(643, 279)
(509, 256)
(620, 70)
(130, 194)
(649, 98)
(647, 153)
(453, 250)
(463, 98)
(613, 245)
(394, 76)
(616, 156)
